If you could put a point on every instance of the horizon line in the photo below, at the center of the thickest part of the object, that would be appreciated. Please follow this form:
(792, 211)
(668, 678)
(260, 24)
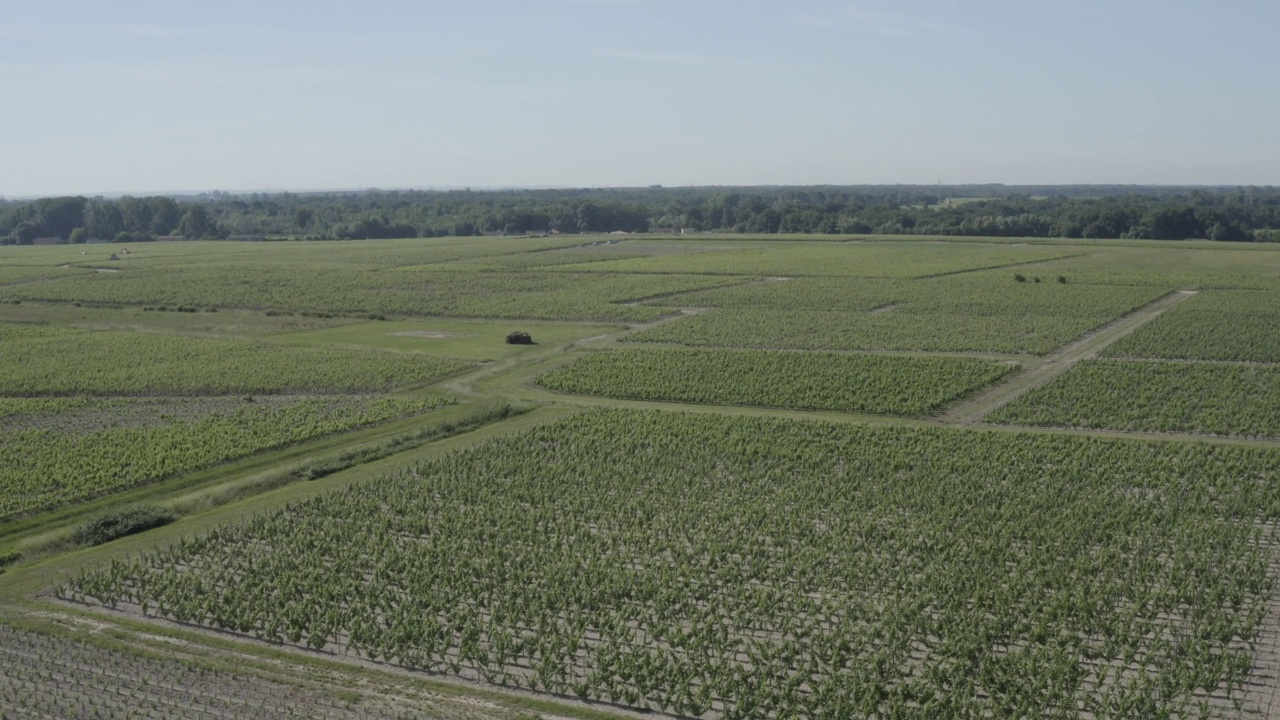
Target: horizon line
(655, 186)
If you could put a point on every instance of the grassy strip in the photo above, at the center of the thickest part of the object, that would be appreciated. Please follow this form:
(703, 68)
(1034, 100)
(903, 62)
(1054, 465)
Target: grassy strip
(337, 463)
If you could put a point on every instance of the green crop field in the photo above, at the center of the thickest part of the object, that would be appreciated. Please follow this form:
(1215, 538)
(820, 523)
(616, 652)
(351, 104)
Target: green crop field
(403, 279)
(55, 455)
(986, 313)
(108, 363)
(731, 476)
(1240, 325)
(856, 259)
(462, 339)
(809, 381)
(1012, 334)
(1208, 398)
(756, 567)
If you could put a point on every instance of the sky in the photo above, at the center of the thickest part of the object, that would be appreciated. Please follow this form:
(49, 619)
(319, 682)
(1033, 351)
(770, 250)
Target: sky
(177, 96)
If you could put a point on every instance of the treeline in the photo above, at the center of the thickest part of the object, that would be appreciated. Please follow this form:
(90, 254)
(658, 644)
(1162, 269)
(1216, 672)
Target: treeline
(1160, 213)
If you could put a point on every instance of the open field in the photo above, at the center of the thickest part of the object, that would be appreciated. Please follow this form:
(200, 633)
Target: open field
(735, 477)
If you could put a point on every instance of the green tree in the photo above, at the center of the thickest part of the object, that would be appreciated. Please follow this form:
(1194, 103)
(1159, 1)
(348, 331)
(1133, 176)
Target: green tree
(60, 215)
(197, 224)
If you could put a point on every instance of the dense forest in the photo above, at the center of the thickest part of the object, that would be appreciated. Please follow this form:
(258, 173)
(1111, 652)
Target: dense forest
(1094, 211)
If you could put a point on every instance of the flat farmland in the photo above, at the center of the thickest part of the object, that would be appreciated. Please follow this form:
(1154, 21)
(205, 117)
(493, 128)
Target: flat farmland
(60, 362)
(732, 477)
(809, 381)
(445, 337)
(855, 259)
(678, 563)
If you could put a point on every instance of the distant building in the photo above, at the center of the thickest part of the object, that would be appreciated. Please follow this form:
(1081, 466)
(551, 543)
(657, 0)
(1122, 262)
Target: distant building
(168, 238)
(245, 238)
(688, 231)
(48, 241)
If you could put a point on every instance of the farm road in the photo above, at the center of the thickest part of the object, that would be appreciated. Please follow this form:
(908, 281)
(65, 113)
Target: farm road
(975, 409)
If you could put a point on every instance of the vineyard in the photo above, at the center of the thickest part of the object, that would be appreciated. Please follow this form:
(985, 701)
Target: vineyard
(1205, 398)
(896, 488)
(54, 455)
(857, 259)
(680, 564)
(894, 385)
(353, 290)
(893, 330)
(40, 361)
(1235, 325)
(994, 314)
(44, 677)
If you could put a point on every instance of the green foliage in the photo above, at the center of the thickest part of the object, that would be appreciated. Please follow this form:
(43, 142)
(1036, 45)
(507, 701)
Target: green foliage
(842, 259)
(119, 523)
(396, 277)
(881, 384)
(1238, 325)
(783, 568)
(490, 414)
(805, 293)
(1156, 396)
(46, 362)
(1164, 213)
(814, 330)
(964, 314)
(66, 455)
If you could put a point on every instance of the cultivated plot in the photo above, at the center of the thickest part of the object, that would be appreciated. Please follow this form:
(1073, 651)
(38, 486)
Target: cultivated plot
(893, 385)
(446, 337)
(1204, 398)
(46, 676)
(749, 567)
(51, 361)
(355, 290)
(845, 259)
(994, 314)
(59, 451)
(1235, 325)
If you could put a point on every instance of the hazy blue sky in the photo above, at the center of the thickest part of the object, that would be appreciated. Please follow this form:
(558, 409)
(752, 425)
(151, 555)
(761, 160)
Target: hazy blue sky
(230, 94)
